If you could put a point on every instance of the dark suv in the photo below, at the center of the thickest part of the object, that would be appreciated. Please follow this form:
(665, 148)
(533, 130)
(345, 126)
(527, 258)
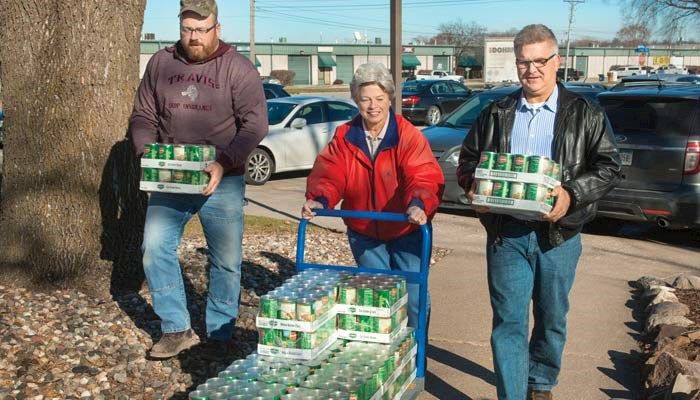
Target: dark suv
(572, 75)
(657, 130)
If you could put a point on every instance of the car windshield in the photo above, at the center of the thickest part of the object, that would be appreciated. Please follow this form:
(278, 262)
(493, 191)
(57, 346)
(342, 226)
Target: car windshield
(278, 111)
(413, 87)
(465, 115)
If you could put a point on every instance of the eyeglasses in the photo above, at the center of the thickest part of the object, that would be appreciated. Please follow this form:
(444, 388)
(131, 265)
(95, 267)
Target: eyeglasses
(538, 63)
(202, 31)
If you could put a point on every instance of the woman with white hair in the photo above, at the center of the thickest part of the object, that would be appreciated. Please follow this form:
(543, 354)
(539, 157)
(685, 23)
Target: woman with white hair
(379, 162)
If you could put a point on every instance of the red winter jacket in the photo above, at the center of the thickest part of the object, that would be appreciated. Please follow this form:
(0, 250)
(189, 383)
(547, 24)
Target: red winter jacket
(404, 172)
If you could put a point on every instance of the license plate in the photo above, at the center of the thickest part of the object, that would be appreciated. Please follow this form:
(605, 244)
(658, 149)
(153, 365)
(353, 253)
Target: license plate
(626, 157)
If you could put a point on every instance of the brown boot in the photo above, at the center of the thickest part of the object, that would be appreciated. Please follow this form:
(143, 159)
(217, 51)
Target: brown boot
(171, 344)
(539, 395)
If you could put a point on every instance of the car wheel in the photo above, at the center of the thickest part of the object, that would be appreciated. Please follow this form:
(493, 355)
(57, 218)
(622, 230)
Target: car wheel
(432, 116)
(259, 167)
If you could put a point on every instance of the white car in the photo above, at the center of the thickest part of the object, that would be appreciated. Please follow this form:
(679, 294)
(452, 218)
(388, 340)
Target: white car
(300, 126)
(438, 75)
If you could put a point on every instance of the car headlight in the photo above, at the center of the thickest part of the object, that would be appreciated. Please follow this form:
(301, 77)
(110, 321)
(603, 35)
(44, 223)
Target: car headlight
(453, 157)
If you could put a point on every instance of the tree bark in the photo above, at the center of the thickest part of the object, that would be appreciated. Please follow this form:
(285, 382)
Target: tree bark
(69, 197)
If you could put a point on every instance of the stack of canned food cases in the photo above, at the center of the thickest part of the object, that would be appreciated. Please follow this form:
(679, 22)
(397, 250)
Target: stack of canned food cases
(516, 184)
(175, 168)
(302, 353)
(371, 307)
(346, 370)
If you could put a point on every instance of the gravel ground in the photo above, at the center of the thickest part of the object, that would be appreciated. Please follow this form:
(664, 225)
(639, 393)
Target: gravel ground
(66, 345)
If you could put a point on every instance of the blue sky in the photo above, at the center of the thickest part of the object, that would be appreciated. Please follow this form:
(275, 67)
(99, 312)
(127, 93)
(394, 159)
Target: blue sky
(332, 21)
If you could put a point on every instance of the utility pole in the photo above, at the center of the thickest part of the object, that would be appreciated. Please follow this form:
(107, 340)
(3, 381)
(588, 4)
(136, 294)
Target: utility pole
(252, 33)
(396, 50)
(572, 8)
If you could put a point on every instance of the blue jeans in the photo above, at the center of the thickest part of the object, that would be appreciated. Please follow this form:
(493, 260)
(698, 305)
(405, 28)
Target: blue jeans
(401, 254)
(221, 215)
(521, 268)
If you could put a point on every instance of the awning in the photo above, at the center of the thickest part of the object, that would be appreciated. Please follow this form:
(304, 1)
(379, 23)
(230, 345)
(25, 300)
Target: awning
(468, 62)
(247, 54)
(409, 61)
(326, 61)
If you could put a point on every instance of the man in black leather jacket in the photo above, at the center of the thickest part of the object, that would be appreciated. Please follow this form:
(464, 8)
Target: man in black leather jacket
(536, 260)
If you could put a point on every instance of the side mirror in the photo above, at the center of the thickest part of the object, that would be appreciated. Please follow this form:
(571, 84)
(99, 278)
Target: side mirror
(298, 123)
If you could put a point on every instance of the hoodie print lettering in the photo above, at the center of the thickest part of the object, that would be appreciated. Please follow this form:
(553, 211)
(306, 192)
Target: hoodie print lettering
(192, 92)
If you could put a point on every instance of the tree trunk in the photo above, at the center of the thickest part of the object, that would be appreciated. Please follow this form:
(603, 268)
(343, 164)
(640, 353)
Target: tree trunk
(69, 197)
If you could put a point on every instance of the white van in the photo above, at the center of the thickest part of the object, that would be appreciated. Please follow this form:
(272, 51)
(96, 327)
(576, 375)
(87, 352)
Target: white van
(630, 70)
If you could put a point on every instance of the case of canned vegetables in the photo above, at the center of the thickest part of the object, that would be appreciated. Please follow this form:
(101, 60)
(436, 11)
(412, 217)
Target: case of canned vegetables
(516, 184)
(175, 168)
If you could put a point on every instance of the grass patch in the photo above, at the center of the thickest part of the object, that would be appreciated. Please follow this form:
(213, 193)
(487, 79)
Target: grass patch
(254, 225)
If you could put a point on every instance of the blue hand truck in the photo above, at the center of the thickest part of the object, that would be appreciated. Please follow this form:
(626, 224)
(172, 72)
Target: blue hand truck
(420, 278)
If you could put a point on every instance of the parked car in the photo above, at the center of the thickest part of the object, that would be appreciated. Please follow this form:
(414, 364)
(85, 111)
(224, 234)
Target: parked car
(630, 70)
(657, 130)
(425, 102)
(446, 137)
(274, 90)
(572, 74)
(442, 75)
(656, 80)
(671, 69)
(300, 126)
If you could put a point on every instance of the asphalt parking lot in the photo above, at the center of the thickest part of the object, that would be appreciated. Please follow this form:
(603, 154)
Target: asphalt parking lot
(599, 359)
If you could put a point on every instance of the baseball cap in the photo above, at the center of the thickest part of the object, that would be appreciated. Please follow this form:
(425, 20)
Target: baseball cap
(201, 7)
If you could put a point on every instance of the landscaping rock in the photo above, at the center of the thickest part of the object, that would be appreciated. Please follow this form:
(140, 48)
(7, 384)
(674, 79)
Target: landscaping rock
(667, 367)
(687, 281)
(645, 282)
(669, 331)
(669, 309)
(654, 321)
(685, 384)
(663, 296)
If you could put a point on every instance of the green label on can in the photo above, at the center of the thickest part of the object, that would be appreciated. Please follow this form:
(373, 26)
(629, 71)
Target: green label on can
(386, 296)
(208, 153)
(166, 152)
(149, 174)
(287, 308)
(268, 336)
(347, 322)
(367, 324)
(487, 160)
(307, 340)
(179, 176)
(269, 308)
(501, 188)
(556, 171)
(195, 153)
(150, 151)
(365, 296)
(503, 162)
(347, 294)
(306, 310)
(535, 192)
(539, 165)
(519, 163)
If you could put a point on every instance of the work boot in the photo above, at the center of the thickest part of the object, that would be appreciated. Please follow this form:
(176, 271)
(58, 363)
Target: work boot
(540, 395)
(171, 344)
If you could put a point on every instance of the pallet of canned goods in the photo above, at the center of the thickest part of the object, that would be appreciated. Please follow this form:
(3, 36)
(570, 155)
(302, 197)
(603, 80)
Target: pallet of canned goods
(175, 168)
(346, 370)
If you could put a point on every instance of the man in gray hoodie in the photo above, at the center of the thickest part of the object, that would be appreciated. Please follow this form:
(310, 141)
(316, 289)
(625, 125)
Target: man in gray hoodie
(199, 91)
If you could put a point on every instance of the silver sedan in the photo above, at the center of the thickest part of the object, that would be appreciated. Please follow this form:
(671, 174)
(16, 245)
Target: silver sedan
(300, 126)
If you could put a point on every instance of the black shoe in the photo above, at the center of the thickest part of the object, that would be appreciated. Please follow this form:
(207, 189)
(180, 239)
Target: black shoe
(171, 344)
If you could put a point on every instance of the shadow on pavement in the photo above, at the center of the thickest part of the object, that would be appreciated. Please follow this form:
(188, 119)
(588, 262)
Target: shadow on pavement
(459, 363)
(625, 371)
(441, 389)
(684, 238)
